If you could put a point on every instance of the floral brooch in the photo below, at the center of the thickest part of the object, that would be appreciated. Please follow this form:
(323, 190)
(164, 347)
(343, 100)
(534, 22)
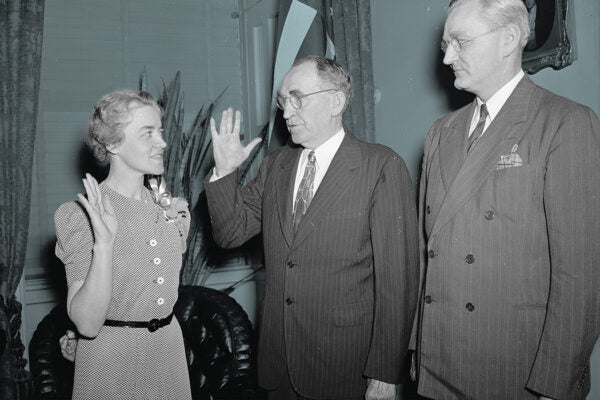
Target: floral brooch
(174, 208)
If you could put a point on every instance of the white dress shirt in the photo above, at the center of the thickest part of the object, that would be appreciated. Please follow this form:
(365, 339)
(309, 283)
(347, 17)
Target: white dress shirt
(324, 155)
(495, 103)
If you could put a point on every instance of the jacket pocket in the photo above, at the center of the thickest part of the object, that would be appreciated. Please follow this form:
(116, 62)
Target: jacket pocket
(529, 306)
(353, 314)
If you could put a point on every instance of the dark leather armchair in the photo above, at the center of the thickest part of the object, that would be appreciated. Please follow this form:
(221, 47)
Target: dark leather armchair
(219, 341)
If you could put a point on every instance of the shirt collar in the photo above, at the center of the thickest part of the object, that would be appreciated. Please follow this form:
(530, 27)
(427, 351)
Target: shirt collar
(496, 102)
(326, 151)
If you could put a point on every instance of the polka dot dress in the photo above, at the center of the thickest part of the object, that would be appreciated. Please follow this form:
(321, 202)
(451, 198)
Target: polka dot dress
(130, 363)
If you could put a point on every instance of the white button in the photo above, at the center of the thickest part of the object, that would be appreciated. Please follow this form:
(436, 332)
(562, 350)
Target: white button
(153, 242)
(156, 261)
(160, 280)
(160, 301)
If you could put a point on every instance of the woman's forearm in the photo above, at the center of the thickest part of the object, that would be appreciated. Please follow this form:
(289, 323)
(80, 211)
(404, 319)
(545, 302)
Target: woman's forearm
(88, 303)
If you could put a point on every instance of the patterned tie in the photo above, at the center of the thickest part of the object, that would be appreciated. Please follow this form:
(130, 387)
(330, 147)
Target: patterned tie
(483, 114)
(305, 190)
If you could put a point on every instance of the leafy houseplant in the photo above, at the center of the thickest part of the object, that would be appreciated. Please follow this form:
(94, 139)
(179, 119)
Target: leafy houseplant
(188, 157)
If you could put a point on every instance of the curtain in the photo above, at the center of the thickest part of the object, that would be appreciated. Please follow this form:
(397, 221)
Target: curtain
(342, 30)
(352, 39)
(21, 29)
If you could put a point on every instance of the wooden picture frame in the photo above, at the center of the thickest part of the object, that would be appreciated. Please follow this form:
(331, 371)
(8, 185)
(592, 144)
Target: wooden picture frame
(549, 44)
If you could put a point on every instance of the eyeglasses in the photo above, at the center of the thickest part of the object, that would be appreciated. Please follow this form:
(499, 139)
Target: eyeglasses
(296, 99)
(458, 44)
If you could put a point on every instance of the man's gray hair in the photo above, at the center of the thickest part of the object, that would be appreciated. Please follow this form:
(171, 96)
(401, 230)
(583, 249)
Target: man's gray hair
(332, 73)
(499, 13)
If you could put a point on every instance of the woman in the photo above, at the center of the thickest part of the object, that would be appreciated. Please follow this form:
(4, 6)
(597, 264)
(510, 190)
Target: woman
(122, 248)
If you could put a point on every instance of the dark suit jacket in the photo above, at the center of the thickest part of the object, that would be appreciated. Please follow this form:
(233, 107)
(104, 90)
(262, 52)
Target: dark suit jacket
(511, 236)
(340, 293)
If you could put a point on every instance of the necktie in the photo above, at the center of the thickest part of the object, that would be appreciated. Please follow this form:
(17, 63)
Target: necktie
(483, 114)
(305, 189)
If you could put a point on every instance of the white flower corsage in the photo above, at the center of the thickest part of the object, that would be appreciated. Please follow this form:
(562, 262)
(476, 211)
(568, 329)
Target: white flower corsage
(174, 208)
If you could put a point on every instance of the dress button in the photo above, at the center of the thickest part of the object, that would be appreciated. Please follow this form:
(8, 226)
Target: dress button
(470, 258)
(288, 301)
(431, 254)
(428, 299)
(156, 261)
(160, 280)
(470, 307)
(290, 264)
(160, 301)
(153, 242)
(428, 210)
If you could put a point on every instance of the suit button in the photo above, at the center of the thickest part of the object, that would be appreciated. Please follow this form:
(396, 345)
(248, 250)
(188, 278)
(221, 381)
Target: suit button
(428, 299)
(289, 301)
(428, 210)
(290, 264)
(470, 307)
(470, 259)
(489, 215)
(431, 254)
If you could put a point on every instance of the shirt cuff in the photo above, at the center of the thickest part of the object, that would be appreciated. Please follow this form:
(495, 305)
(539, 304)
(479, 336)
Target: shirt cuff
(213, 176)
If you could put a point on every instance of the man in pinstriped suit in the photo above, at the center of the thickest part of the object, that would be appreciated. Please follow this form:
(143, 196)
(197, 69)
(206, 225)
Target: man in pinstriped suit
(510, 219)
(341, 287)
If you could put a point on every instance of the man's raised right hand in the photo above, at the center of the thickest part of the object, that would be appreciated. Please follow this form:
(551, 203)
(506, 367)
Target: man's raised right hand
(228, 151)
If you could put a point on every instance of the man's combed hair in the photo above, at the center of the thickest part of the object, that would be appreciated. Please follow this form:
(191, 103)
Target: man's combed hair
(499, 13)
(331, 72)
(111, 115)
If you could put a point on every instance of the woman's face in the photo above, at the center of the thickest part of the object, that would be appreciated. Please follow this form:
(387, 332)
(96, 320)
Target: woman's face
(142, 148)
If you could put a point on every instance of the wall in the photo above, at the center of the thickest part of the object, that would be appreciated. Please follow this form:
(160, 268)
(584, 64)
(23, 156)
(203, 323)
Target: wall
(91, 48)
(414, 89)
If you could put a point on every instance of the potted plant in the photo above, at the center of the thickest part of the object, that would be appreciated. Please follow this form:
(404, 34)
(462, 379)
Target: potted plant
(188, 157)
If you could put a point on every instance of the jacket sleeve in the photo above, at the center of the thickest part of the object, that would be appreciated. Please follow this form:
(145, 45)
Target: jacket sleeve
(394, 238)
(572, 207)
(235, 212)
(414, 338)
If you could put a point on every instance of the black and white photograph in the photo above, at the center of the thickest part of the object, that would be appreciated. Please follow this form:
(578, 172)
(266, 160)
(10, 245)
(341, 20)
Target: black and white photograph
(299, 200)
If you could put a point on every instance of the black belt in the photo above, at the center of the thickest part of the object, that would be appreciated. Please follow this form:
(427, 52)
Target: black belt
(151, 325)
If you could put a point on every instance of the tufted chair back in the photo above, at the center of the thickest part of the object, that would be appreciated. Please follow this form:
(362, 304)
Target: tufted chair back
(219, 342)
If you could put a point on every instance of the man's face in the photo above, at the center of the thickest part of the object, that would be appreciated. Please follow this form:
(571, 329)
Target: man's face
(479, 64)
(311, 125)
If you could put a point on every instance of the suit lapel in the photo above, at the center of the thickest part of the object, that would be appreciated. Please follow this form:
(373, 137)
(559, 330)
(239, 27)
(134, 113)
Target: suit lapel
(285, 189)
(505, 130)
(455, 143)
(334, 185)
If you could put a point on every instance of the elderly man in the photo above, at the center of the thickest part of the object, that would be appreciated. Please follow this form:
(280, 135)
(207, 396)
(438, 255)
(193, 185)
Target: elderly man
(510, 218)
(340, 240)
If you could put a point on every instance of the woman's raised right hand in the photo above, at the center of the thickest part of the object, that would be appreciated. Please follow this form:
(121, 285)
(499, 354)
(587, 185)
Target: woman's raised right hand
(100, 211)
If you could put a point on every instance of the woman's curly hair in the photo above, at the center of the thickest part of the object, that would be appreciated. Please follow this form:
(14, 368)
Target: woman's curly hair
(111, 115)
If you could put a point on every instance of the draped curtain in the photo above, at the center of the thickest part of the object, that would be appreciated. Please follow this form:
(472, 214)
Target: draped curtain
(347, 24)
(352, 38)
(21, 29)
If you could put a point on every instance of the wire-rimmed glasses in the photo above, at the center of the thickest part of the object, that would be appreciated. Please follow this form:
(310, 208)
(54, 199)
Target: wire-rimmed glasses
(296, 98)
(458, 44)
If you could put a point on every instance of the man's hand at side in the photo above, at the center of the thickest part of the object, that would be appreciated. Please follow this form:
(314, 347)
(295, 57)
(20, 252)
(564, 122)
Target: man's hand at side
(378, 390)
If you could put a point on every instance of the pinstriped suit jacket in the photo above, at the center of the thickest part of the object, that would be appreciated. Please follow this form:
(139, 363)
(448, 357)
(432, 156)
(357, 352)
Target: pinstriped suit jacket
(511, 240)
(341, 292)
